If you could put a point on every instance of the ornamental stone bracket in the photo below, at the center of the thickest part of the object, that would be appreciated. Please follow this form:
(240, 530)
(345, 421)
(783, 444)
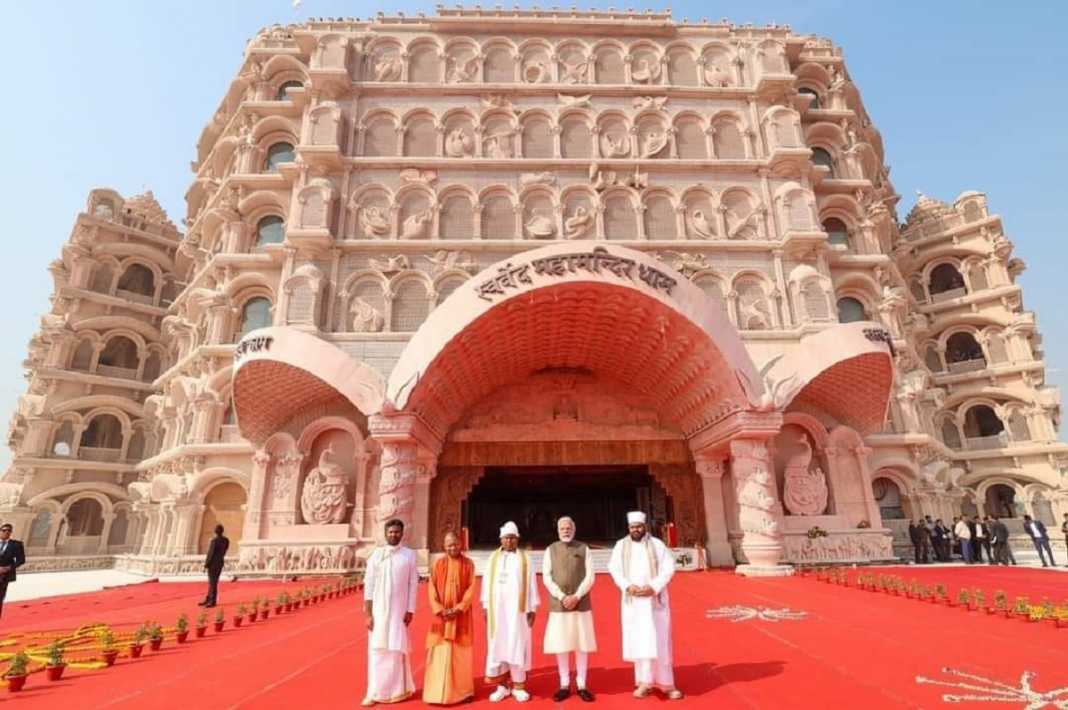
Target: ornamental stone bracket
(409, 461)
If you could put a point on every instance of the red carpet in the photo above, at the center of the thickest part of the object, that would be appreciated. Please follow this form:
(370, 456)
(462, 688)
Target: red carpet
(852, 649)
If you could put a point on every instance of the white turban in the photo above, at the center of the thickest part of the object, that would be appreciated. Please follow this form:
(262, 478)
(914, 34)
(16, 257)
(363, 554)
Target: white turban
(509, 528)
(635, 517)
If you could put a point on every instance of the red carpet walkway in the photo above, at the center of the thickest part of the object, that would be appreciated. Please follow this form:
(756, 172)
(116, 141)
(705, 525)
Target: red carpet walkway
(851, 649)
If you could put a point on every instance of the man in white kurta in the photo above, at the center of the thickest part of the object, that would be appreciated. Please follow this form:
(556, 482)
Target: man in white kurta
(567, 573)
(391, 582)
(509, 596)
(641, 567)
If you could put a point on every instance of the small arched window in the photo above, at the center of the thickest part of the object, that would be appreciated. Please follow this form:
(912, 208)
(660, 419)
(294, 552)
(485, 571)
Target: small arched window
(277, 154)
(837, 232)
(964, 348)
(822, 157)
(283, 90)
(255, 314)
(138, 279)
(945, 278)
(121, 352)
(815, 103)
(103, 432)
(850, 310)
(270, 230)
(981, 421)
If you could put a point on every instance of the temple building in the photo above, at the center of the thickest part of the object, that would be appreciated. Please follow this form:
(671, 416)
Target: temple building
(512, 264)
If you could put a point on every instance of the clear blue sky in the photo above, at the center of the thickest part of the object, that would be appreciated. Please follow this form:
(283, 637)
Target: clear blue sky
(968, 95)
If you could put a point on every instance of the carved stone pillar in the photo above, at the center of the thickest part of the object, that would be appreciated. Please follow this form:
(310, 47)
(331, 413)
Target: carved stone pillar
(408, 464)
(760, 512)
(717, 548)
(256, 505)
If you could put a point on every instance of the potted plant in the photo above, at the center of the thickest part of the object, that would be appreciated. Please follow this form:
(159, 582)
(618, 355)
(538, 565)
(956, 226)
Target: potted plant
(265, 608)
(964, 599)
(16, 671)
(305, 596)
(202, 624)
(54, 666)
(107, 646)
(181, 628)
(288, 603)
(1001, 604)
(240, 615)
(279, 603)
(138, 643)
(940, 594)
(1060, 618)
(1021, 607)
(155, 636)
(979, 599)
(220, 619)
(254, 610)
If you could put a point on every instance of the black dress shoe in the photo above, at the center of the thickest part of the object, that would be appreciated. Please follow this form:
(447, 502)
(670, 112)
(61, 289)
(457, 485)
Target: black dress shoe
(587, 696)
(561, 695)
(209, 606)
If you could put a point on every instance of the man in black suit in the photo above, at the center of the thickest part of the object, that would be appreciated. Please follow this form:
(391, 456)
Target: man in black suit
(214, 564)
(1036, 530)
(918, 536)
(11, 557)
(999, 538)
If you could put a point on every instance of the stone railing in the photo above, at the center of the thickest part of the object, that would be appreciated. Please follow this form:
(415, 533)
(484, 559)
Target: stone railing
(985, 443)
(123, 373)
(135, 297)
(94, 453)
(948, 295)
(65, 563)
(958, 368)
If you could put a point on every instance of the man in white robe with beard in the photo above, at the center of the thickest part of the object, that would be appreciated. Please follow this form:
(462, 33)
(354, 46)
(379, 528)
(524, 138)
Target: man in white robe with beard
(641, 566)
(509, 596)
(391, 582)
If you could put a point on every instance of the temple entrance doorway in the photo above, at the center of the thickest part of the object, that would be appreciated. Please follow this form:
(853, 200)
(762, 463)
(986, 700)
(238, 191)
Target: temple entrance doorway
(535, 497)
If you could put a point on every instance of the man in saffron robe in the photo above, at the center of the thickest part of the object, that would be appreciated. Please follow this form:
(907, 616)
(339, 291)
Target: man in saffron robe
(390, 584)
(567, 572)
(450, 676)
(641, 567)
(509, 596)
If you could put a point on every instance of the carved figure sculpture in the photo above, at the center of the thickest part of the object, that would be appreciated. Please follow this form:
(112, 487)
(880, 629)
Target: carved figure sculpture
(365, 317)
(535, 71)
(499, 146)
(544, 178)
(578, 223)
(388, 67)
(391, 265)
(373, 222)
(804, 487)
(687, 263)
(717, 76)
(739, 219)
(758, 514)
(416, 226)
(462, 69)
(643, 103)
(574, 101)
(655, 142)
(323, 500)
(574, 70)
(701, 226)
(615, 145)
(451, 260)
(541, 226)
(458, 144)
(646, 71)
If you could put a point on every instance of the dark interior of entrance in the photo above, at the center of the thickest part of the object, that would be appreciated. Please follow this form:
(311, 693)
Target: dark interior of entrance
(597, 497)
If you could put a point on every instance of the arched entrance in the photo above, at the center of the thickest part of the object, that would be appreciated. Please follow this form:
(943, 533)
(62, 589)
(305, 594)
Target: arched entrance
(225, 504)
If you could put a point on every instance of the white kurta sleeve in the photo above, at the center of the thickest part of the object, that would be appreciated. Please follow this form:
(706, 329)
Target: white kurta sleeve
(547, 577)
(413, 583)
(615, 566)
(370, 573)
(665, 566)
(487, 585)
(587, 581)
(533, 599)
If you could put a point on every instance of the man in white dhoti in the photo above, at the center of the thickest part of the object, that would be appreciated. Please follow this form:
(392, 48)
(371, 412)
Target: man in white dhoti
(509, 597)
(641, 567)
(567, 572)
(390, 584)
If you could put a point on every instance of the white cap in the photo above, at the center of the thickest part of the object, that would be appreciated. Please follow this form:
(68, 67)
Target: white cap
(634, 517)
(509, 528)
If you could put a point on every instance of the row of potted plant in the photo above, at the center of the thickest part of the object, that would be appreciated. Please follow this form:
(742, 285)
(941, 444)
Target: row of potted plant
(969, 600)
(152, 634)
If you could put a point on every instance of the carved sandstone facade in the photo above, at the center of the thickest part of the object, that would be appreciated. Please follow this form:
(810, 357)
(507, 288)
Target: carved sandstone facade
(426, 254)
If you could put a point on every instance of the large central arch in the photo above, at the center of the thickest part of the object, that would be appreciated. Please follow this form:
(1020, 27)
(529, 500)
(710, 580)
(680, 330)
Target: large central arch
(616, 312)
